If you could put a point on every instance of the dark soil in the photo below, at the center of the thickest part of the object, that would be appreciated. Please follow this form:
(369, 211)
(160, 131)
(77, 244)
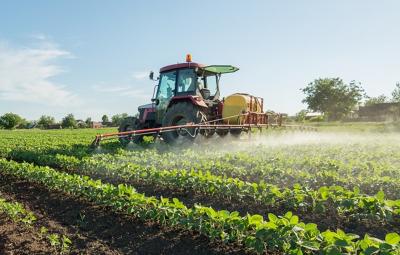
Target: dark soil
(17, 238)
(92, 229)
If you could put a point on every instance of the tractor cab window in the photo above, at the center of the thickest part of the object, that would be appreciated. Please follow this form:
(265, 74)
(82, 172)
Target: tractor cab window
(211, 84)
(167, 85)
(186, 81)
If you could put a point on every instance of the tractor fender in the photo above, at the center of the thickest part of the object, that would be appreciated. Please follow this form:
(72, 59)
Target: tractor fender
(196, 100)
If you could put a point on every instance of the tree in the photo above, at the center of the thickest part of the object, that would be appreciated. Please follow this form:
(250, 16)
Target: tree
(45, 121)
(104, 119)
(88, 121)
(332, 97)
(396, 94)
(376, 100)
(30, 124)
(10, 120)
(118, 118)
(301, 115)
(69, 121)
(23, 124)
(82, 124)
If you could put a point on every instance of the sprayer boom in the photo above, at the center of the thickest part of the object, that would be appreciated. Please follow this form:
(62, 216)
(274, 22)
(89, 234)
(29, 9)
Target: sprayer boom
(194, 129)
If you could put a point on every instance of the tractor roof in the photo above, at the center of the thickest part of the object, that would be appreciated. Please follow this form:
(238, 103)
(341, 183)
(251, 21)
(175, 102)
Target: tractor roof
(180, 65)
(220, 69)
(216, 69)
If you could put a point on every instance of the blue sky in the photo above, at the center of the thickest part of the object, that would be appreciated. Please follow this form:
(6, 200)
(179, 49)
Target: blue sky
(92, 57)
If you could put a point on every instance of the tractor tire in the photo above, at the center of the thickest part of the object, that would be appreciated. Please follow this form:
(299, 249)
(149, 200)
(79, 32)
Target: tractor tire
(130, 124)
(236, 132)
(222, 132)
(207, 133)
(180, 114)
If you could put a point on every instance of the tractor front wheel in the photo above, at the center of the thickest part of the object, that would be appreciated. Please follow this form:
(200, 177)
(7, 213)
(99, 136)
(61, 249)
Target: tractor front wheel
(181, 114)
(130, 124)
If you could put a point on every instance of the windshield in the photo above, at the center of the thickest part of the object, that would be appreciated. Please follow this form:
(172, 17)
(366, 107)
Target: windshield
(167, 85)
(186, 81)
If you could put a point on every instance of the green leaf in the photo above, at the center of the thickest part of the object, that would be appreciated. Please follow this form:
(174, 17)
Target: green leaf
(311, 227)
(262, 233)
(356, 190)
(392, 238)
(341, 243)
(333, 251)
(311, 245)
(371, 250)
(288, 215)
(385, 247)
(294, 220)
(295, 252)
(272, 217)
(256, 218)
(324, 192)
(271, 225)
(259, 246)
(380, 196)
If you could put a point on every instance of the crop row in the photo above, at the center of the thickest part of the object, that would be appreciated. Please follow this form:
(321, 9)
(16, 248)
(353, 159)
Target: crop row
(370, 164)
(350, 203)
(285, 233)
(68, 142)
(371, 168)
(16, 212)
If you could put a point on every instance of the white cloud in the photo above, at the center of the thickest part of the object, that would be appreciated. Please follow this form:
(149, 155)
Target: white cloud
(25, 74)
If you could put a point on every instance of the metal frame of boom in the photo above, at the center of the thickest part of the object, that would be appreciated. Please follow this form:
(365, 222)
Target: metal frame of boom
(197, 128)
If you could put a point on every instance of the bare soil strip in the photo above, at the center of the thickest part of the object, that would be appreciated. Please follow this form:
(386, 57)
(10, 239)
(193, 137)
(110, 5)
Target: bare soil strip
(93, 229)
(16, 238)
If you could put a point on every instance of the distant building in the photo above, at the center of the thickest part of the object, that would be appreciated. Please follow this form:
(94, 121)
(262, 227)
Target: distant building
(95, 124)
(311, 115)
(380, 112)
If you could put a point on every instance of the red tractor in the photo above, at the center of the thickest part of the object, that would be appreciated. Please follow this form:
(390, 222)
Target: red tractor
(187, 103)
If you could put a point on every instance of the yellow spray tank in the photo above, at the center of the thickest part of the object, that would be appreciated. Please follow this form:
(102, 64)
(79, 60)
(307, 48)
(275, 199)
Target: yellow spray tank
(240, 103)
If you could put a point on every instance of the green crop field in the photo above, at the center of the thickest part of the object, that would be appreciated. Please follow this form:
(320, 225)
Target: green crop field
(334, 191)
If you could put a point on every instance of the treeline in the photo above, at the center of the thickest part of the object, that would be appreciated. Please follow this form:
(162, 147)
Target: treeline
(14, 121)
(335, 100)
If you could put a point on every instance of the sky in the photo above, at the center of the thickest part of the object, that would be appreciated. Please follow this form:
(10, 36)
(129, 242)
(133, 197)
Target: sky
(92, 58)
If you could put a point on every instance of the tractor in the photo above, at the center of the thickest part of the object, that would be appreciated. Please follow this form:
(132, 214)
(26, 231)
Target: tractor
(186, 103)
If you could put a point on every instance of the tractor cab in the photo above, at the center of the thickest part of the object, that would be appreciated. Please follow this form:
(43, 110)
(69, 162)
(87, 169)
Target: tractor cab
(188, 81)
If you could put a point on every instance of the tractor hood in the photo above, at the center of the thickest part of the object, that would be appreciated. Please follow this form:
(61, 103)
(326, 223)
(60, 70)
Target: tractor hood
(219, 69)
(146, 106)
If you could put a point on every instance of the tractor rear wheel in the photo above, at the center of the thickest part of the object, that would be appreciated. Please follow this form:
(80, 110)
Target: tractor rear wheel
(236, 132)
(130, 124)
(222, 132)
(181, 114)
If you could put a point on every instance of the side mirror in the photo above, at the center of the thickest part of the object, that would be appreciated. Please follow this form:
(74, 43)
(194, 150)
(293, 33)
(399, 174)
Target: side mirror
(155, 101)
(151, 76)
